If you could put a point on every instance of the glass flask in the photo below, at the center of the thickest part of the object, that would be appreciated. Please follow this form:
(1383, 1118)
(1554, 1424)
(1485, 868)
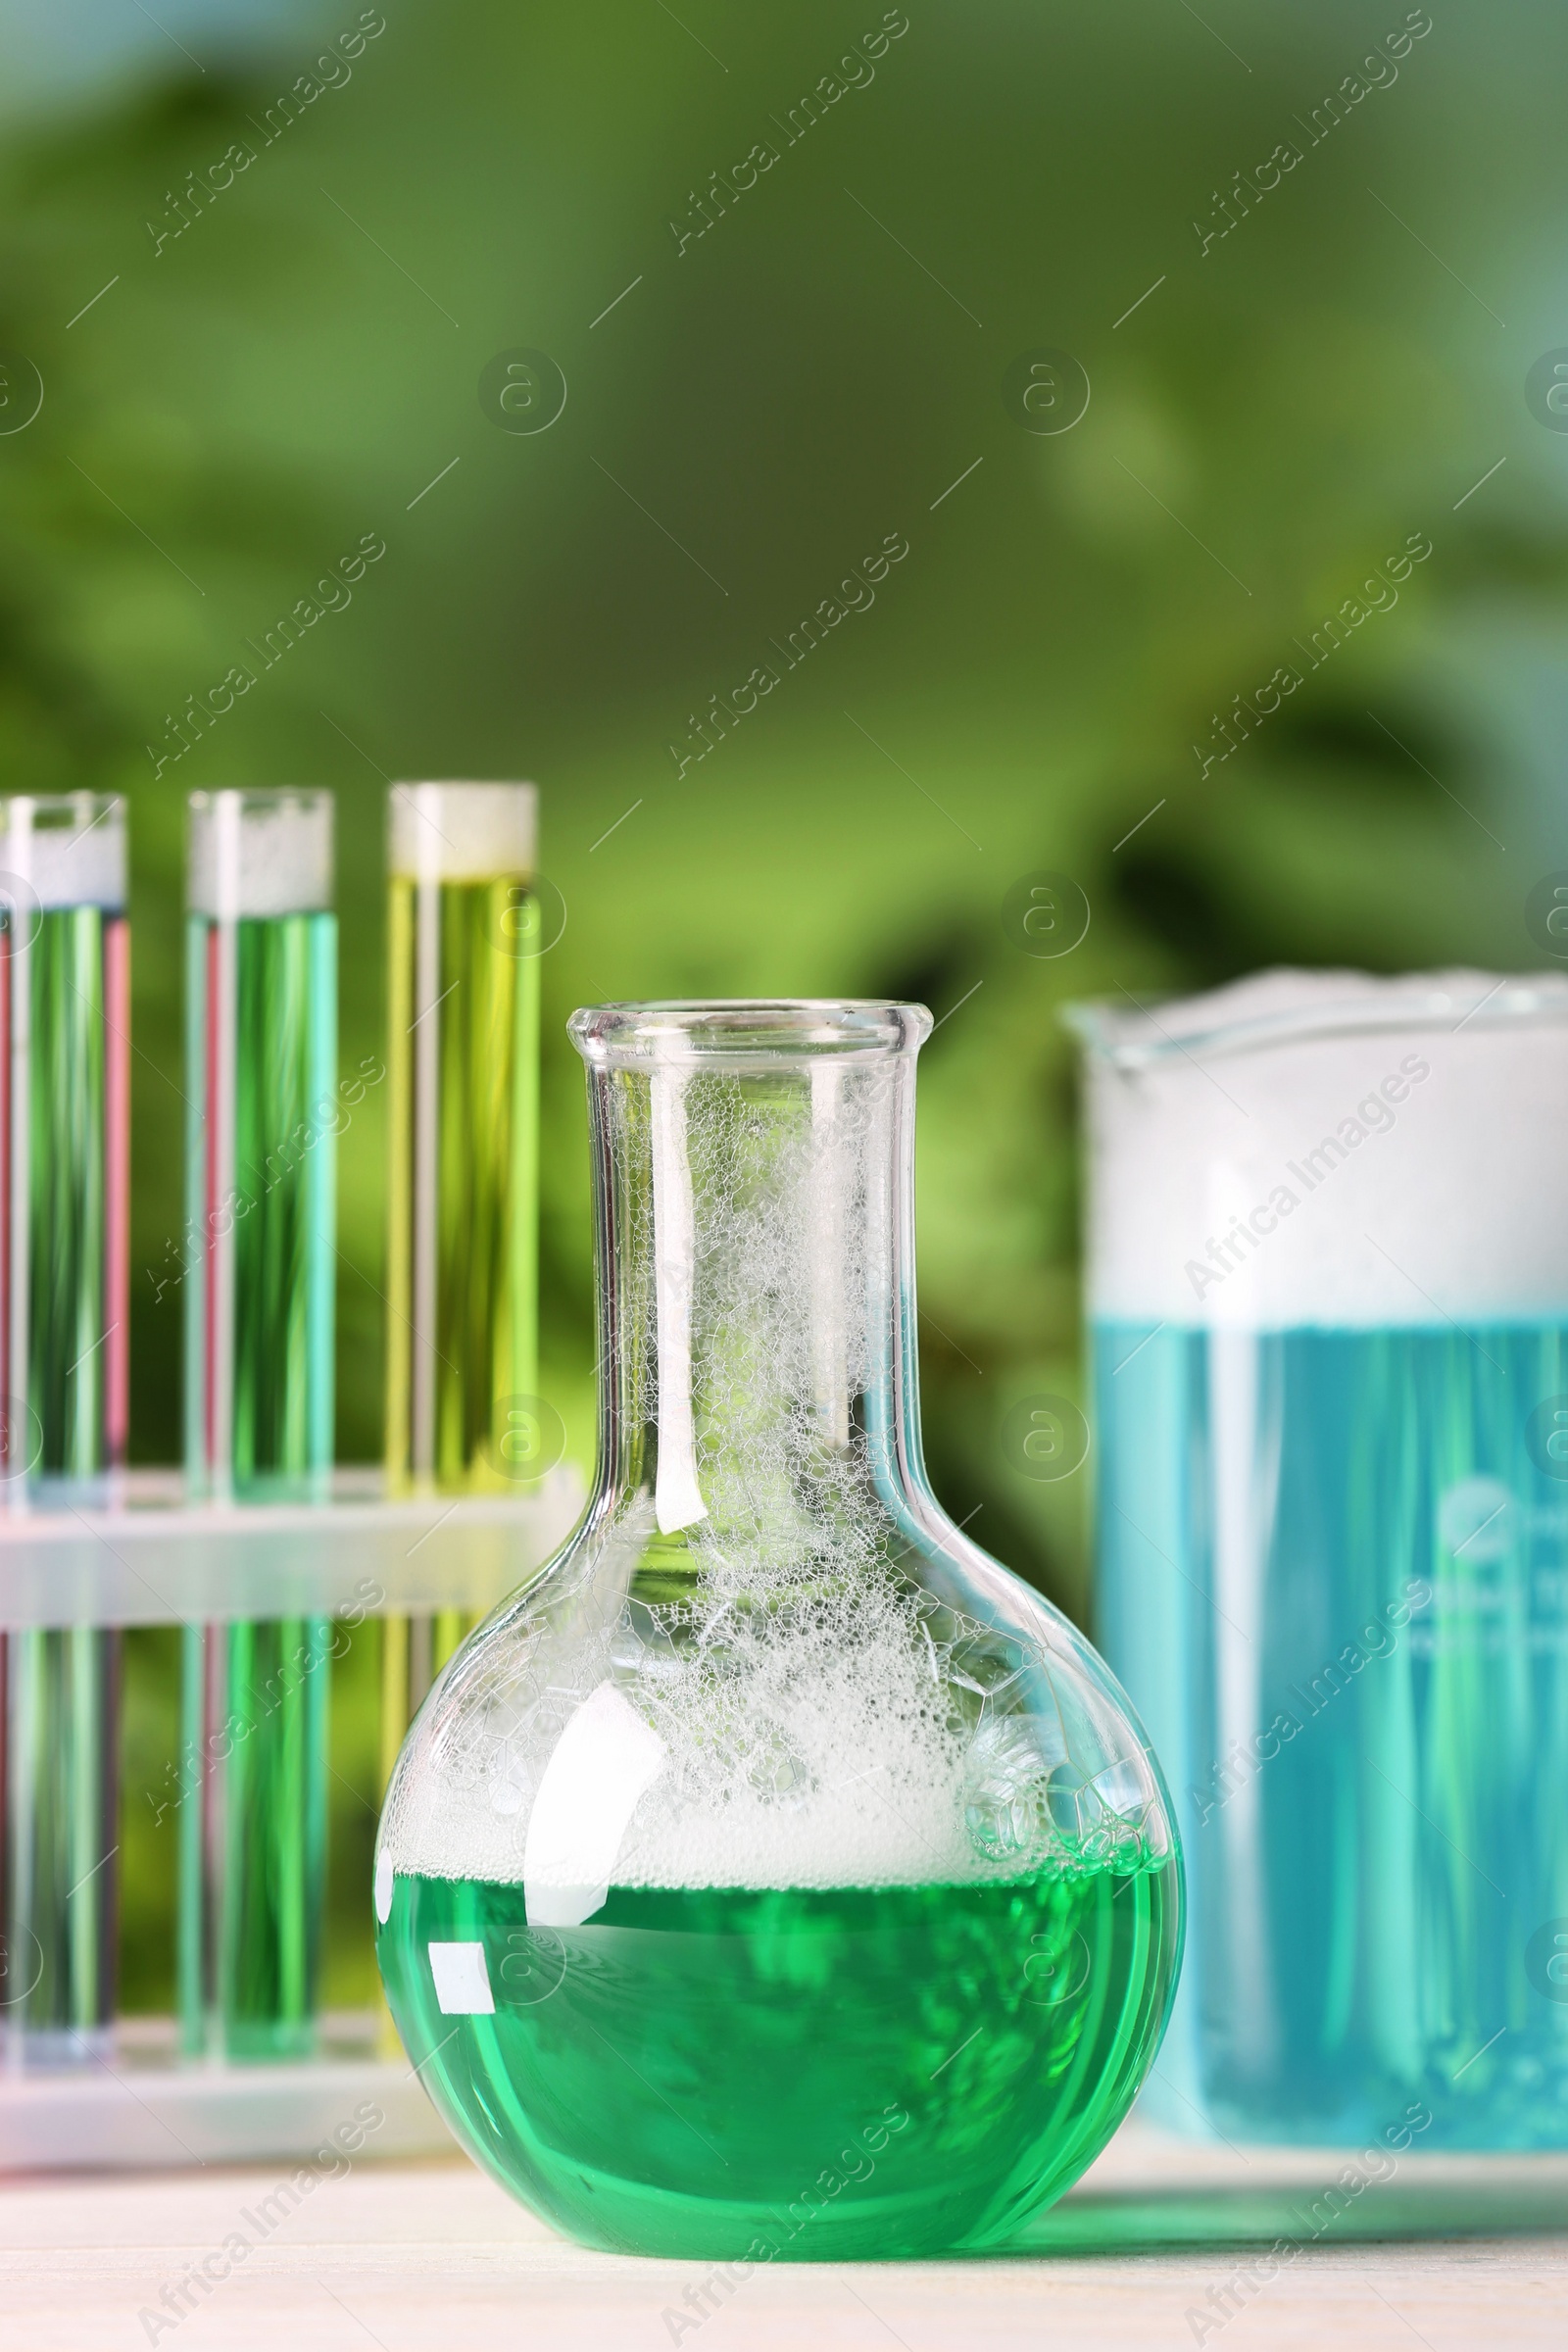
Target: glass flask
(773, 1875)
(1328, 1288)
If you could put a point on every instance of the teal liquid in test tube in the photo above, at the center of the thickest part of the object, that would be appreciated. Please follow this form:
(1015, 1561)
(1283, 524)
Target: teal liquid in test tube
(261, 1166)
(65, 985)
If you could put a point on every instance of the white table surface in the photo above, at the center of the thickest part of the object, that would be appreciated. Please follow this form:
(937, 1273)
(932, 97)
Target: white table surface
(1454, 2253)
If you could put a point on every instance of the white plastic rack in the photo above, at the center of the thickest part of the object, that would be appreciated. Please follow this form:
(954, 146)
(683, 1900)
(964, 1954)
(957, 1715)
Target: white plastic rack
(148, 1556)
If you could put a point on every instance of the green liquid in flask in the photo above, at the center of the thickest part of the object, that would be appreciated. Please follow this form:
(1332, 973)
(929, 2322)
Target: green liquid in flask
(844, 2073)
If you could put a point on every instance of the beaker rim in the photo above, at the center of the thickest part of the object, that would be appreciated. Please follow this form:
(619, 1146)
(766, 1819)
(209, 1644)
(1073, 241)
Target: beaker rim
(1260, 1012)
(750, 1029)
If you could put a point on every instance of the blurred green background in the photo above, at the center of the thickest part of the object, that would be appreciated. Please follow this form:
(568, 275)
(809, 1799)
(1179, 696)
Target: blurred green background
(241, 377)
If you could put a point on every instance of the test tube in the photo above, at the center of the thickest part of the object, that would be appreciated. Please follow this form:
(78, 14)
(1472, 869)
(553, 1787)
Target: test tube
(261, 1154)
(65, 1002)
(463, 938)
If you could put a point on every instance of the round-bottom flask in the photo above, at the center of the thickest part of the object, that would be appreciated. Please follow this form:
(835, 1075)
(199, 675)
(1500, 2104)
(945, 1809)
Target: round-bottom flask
(774, 1876)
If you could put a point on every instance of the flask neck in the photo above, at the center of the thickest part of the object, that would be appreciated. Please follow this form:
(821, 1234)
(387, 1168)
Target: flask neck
(757, 1364)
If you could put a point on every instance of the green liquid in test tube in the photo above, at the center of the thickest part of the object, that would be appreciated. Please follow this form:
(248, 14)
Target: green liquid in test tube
(463, 941)
(262, 1064)
(65, 988)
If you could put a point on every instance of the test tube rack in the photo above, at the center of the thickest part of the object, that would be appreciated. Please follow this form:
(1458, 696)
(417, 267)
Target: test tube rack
(149, 1556)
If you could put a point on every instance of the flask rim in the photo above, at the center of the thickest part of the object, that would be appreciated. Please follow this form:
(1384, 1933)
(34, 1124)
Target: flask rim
(753, 1030)
(1164, 1030)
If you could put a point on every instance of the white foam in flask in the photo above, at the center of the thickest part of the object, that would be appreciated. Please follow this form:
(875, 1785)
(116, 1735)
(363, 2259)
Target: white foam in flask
(599, 1767)
(1330, 1149)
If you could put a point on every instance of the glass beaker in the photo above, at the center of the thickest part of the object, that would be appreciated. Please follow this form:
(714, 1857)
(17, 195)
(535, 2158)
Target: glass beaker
(773, 1875)
(1329, 1292)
